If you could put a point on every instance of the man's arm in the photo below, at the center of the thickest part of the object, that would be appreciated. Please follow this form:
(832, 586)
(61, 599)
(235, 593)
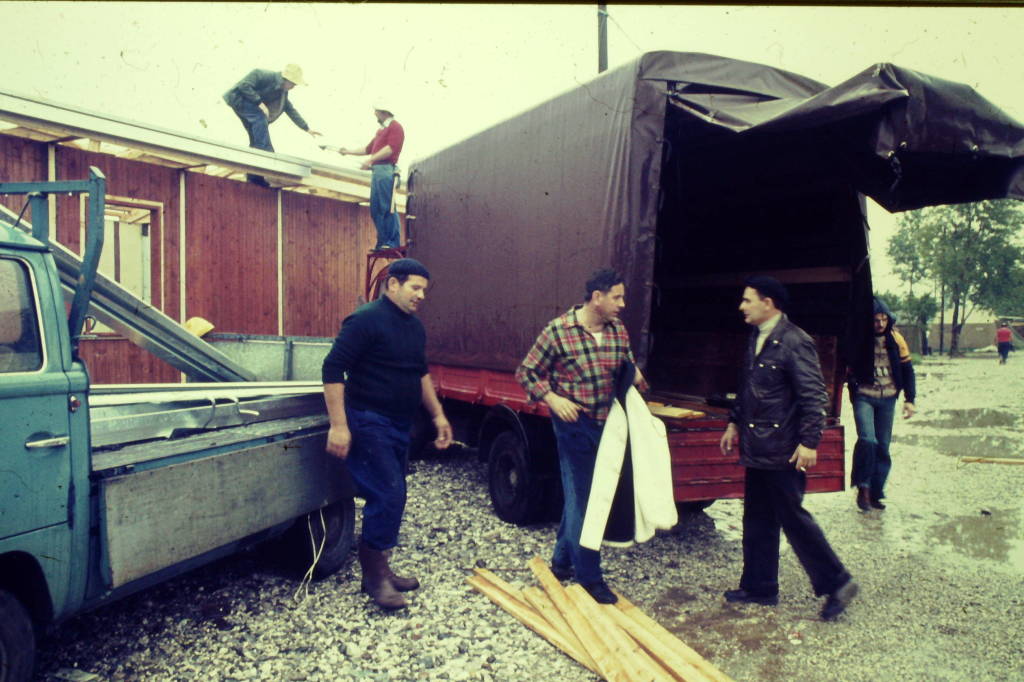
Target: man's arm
(339, 438)
(533, 375)
(811, 398)
(436, 412)
(297, 119)
(346, 351)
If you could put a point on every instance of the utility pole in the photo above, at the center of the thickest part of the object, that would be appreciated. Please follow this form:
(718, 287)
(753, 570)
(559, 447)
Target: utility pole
(602, 37)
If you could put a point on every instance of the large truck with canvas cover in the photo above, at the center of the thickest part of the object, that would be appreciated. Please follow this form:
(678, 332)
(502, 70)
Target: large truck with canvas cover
(687, 173)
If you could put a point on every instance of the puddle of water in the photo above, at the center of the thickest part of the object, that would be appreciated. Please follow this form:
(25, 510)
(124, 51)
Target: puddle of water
(965, 446)
(971, 418)
(997, 536)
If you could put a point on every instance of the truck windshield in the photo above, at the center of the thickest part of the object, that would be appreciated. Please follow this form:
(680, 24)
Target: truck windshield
(20, 348)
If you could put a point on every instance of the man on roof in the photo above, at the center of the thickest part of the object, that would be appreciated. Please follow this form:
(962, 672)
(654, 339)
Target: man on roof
(259, 99)
(383, 151)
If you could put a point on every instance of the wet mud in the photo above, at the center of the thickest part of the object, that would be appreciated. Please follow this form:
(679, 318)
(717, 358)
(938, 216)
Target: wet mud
(969, 418)
(992, 534)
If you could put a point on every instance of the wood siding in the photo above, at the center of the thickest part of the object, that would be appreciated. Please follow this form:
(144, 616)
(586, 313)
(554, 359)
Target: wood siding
(21, 161)
(231, 235)
(325, 247)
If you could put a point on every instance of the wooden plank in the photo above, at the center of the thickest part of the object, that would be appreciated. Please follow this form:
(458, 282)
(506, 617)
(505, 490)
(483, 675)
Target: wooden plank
(637, 665)
(677, 666)
(672, 642)
(606, 664)
(524, 614)
(992, 460)
(541, 602)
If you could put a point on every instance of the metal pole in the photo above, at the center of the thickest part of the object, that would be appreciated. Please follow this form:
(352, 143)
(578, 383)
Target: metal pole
(602, 37)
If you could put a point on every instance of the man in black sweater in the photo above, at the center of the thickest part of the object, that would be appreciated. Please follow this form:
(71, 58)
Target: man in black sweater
(375, 378)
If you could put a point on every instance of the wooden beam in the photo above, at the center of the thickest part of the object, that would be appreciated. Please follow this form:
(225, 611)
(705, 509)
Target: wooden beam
(541, 602)
(992, 460)
(607, 666)
(503, 595)
(672, 642)
(634, 663)
(678, 667)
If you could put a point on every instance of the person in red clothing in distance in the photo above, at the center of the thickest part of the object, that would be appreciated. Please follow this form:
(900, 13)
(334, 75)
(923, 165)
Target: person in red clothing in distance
(383, 150)
(1004, 337)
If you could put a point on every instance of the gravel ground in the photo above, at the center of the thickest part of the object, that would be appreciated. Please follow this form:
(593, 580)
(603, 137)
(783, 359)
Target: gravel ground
(940, 573)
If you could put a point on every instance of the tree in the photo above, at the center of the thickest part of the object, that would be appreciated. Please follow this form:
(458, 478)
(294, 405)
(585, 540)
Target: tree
(971, 252)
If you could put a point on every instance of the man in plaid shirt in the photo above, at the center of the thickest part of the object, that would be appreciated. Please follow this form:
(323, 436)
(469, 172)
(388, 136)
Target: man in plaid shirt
(571, 367)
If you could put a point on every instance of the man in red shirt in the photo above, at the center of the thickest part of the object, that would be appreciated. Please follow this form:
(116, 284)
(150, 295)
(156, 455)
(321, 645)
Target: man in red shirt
(383, 151)
(1004, 337)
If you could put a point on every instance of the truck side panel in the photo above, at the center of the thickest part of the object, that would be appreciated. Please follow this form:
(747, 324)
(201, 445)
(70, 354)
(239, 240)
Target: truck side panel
(153, 519)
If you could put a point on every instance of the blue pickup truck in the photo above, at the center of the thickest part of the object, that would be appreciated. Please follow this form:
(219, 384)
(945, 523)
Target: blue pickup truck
(109, 489)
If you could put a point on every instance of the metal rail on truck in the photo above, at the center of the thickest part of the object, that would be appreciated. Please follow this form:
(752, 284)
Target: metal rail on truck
(120, 415)
(92, 293)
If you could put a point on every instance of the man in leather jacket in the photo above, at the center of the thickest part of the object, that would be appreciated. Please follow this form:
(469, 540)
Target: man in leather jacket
(778, 419)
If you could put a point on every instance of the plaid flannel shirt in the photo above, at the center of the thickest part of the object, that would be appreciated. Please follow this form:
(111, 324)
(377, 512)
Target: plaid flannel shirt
(566, 359)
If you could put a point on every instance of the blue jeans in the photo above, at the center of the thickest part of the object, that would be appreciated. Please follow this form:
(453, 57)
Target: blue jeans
(256, 125)
(376, 462)
(382, 185)
(871, 460)
(577, 451)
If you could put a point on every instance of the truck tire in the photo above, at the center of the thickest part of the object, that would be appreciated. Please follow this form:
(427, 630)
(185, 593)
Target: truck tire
(693, 507)
(517, 488)
(17, 640)
(340, 521)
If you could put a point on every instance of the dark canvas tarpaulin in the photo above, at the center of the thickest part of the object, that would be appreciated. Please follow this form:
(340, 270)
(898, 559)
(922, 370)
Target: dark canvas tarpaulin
(513, 219)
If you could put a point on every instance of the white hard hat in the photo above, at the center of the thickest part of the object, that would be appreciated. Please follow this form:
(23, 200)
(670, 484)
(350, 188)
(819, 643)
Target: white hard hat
(382, 104)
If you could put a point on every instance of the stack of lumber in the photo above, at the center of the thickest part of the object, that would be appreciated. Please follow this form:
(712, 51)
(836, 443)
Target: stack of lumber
(673, 411)
(615, 641)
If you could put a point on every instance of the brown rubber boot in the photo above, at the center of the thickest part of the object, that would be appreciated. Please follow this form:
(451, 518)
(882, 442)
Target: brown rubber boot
(376, 581)
(399, 583)
(862, 499)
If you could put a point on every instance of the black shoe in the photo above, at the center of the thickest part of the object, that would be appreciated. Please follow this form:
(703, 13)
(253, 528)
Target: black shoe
(562, 572)
(600, 592)
(876, 502)
(742, 595)
(862, 499)
(839, 600)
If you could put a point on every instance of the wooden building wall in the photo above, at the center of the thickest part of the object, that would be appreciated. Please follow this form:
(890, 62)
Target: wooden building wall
(231, 251)
(21, 161)
(325, 247)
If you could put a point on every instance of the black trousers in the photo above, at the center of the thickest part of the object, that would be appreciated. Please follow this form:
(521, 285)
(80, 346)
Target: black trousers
(774, 501)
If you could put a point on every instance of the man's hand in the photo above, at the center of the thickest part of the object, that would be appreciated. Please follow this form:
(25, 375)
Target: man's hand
(908, 410)
(366, 165)
(444, 432)
(728, 441)
(563, 408)
(804, 458)
(314, 133)
(640, 382)
(339, 440)
(265, 110)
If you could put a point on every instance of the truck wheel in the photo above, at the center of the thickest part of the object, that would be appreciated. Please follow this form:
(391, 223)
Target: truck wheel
(17, 640)
(517, 488)
(693, 507)
(340, 521)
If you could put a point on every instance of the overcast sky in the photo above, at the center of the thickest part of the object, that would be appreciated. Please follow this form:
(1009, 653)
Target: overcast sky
(451, 70)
